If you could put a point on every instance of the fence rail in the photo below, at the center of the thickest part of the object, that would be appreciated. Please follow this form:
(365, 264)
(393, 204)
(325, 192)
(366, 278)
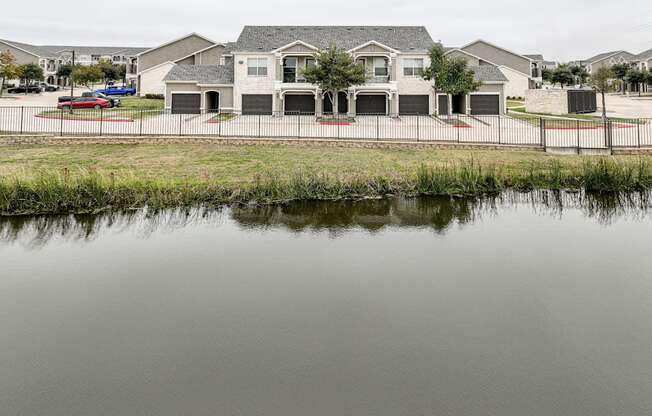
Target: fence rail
(516, 129)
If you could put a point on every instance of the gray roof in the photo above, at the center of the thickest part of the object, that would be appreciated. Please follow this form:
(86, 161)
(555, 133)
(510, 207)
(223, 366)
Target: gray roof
(535, 57)
(94, 50)
(51, 51)
(202, 74)
(604, 55)
(269, 38)
(36, 50)
(645, 55)
(488, 73)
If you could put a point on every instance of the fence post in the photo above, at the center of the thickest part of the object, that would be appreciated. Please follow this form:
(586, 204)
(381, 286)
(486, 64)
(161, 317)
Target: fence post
(140, 127)
(638, 132)
(101, 119)
(499, 130)
(542, 132)
(219, 124)
(457, 127)
(180, 124)
(259, 126)
(61, 123)
(418, 117)
(377, 127)
(22, 111)
(578, 136)
(299, 126)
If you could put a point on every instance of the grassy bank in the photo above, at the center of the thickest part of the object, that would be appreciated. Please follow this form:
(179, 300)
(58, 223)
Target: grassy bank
(60, 179)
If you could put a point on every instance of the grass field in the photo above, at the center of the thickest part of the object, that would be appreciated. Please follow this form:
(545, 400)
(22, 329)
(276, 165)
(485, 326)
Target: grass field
(82, 178)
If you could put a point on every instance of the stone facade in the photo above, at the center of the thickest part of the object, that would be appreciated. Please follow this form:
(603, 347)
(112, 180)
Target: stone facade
(546, 101)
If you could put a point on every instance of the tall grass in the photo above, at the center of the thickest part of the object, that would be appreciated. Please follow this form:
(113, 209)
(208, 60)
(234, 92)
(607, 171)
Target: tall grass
(60, 192)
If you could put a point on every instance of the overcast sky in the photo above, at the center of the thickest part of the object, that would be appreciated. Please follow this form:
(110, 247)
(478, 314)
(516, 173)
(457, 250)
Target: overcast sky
(560, 29)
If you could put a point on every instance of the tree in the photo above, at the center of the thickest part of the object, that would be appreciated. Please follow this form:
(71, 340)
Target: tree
(562, 75)
(8, 69)
(579, 73)
(334, 71)
(546, 75)
(637, 77)
(122, 73)
(109, 71)
(450, 75)
(600, 81)
(65, 71)
(29, 72)
(87, 75)
(619, 72)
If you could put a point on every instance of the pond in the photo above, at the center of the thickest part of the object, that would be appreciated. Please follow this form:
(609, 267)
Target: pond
(525, 304)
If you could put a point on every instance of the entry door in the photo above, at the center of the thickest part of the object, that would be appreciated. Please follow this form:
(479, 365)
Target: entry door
(442, 101)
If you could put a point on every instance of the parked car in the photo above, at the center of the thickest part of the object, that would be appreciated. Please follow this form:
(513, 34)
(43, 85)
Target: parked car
(36, 89)
(115, 102)
(48, 87)
(118, 91)
(84, 102)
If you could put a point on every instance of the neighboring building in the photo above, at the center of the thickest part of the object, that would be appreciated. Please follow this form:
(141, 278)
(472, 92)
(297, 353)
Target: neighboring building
(550, 65)
(522, 72)
(193, 49)
(261, 74)
(52, 57)
(607, 59)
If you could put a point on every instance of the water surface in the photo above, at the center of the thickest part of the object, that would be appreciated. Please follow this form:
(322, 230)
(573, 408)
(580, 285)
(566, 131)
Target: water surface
(520, 305)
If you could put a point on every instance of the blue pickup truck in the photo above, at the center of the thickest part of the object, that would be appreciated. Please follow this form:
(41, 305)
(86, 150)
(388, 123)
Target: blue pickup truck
(117, 91)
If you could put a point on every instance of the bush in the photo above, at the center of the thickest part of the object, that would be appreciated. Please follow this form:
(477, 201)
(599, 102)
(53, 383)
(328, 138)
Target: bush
(155, 96)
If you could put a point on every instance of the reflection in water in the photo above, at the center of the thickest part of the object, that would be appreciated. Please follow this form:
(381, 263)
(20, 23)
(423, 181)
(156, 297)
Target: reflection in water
(436, 213)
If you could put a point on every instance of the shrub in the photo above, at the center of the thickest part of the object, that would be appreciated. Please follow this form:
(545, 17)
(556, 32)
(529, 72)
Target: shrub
(155, 96)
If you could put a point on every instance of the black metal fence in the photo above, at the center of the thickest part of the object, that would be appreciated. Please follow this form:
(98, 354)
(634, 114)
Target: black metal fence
(515, 129)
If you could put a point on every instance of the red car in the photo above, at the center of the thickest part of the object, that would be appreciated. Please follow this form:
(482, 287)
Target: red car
(85, 102)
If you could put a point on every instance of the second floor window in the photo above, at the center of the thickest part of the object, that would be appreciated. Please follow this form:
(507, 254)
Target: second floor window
(95, 57)
(257, 67)
(290, 70)
(380, 67)
(412, 67)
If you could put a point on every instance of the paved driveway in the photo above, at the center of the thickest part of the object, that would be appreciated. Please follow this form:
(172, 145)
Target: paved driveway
(624, 106)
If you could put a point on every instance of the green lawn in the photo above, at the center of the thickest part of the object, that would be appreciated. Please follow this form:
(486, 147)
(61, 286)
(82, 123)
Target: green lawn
(141, 103)
(238, 164)
(515, 103)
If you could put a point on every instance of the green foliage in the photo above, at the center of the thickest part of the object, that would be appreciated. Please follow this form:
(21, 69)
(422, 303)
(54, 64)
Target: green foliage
(450, 75)
(30, 72)
(335, 71)
(87, 75)
(637, 77)
(562, 75)
(620, 71)
(108, 70)
(546, 75)
(8, 68)
(65, 71)
(579, 73)
(601, 82)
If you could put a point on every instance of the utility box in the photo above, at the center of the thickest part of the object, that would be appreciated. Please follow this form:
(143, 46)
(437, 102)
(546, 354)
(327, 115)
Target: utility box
(559, 102)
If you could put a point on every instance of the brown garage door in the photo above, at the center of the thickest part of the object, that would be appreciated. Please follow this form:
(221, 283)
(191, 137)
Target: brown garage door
(371, 104)
(255, 104)
(299, 104)
(485, 104)
(186, 103)
(413, 104)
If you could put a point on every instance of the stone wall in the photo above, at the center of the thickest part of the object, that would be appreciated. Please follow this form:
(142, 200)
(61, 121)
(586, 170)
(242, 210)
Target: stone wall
(546, 101)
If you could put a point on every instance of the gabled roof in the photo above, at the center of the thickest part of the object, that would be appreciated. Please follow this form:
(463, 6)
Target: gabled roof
(495, 46)
(269, 38)
(177, 40)
(644, 56)
(605, 55)
(535, 57)
(202, 74)
(488, 73)
(31, 49)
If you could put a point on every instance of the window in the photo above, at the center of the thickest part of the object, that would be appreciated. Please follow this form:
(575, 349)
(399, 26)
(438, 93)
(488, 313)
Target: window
(290, 70)
(380, 67)
(310, 62)
(95, 57)
(257, 67)
(116, 59)
(412, 67)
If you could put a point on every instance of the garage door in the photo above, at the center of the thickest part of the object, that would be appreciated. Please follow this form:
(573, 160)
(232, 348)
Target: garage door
(254, 104)
(371, 104)
(186, 103)
(485, 104)
(413, 104)
(299, 104)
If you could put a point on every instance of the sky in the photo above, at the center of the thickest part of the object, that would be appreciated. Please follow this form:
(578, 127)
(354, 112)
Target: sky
(561, 30)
